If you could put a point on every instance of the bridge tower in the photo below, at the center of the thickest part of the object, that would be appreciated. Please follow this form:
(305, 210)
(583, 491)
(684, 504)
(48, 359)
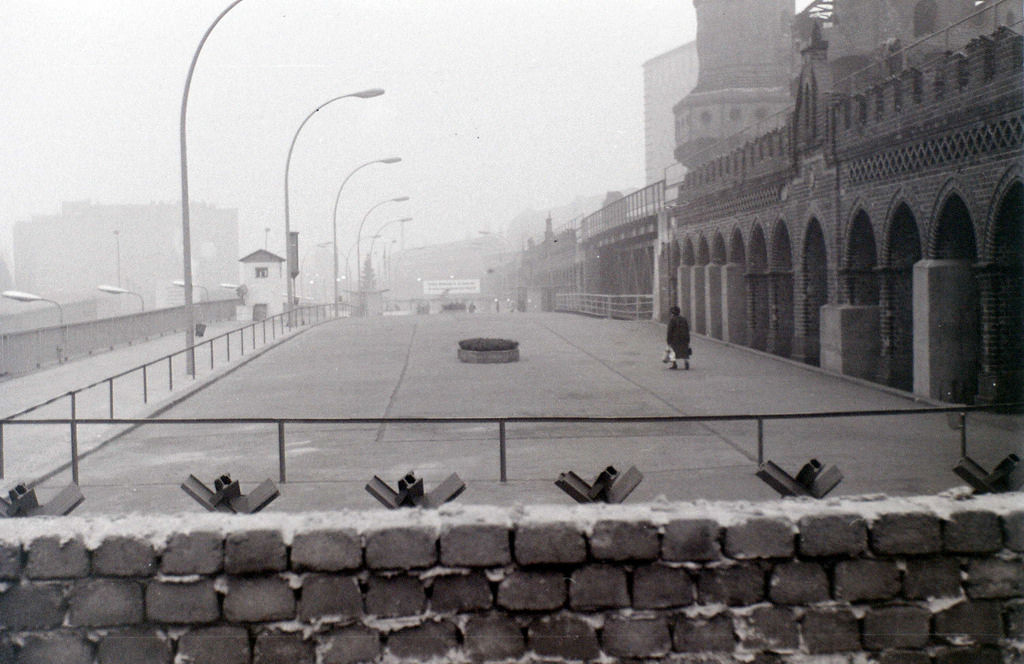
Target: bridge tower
(744, 50)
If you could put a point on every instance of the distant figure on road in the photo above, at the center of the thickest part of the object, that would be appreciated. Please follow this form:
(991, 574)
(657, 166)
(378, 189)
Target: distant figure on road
(678, 338)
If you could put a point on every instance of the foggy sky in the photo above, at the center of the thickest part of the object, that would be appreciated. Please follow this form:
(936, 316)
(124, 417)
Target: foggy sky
(494, 106)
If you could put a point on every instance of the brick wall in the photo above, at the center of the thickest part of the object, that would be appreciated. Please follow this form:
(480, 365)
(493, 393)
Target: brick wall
(930, 580)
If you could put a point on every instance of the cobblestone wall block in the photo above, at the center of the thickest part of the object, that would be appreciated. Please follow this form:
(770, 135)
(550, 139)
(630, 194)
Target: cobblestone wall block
(832, 535)
(798, 583)
(420, 643)
(133, 646)
(971, 655)
(193, 553)
(105, 602)
(660, 587)
(740, 585)
(624, 540)
(32, 606)
(906, 533)
(931, 577)
(475, 545)
(976, 622)
(220, 645)
(51, 558)
(714, 634)
(458, 593)
(895, 627)
(326, 550)
(275, 647)
(259, 600)
(330, 595)
(830, 630)
(972, 532)
(549, 543)
(598, 587)
(691, 539)
(255, 551)
(769, 628)
(124, 556)
(994, 578)
(401, 548)
(563, 636)
(182, 603)
(389, 597)
(51, 647)
(10, 561)
(636, 637)
(760, 538)
(493, 637)
(1013, 531)
(348, 645)
(857, 580)
(532, 591)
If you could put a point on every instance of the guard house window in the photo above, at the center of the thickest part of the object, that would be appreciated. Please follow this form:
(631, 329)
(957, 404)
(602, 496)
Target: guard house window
(262, 273)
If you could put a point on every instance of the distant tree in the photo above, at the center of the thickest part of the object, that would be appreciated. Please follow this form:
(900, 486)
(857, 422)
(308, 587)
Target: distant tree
(369, 276)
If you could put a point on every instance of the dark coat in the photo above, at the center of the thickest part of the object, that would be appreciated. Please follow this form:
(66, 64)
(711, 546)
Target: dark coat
(678, 337)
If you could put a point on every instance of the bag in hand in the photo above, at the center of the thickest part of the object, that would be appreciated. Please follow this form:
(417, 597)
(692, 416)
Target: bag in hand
(670, 356)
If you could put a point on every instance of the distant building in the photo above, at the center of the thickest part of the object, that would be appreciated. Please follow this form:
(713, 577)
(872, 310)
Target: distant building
(667, 79)
(66, 256)
(473, 272)
(265, 286)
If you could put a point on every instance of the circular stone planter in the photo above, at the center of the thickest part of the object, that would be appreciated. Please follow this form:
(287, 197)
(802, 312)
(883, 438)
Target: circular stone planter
(488, 351)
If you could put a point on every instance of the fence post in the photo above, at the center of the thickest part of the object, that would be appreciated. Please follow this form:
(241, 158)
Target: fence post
(264, 331)
(502, 463)
(1, 449)
(110, 392)
(227, 345)
(74, 439)
(211, 354)
(252, 328)
(963, 433)
(241, 341)
(280, 451)
(145, 385)
(170, 373)
(760, 441)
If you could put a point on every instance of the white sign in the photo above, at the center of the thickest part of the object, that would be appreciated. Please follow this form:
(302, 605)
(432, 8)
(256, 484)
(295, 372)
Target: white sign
(451, 287)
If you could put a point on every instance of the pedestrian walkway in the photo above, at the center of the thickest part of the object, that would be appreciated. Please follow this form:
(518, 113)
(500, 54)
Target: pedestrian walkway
(570, 366)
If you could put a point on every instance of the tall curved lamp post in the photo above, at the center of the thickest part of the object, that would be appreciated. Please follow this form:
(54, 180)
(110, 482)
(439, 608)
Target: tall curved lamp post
(334, 218)
(21, 296)
(359, 235)
(363, 94)
(186, 237)
(117, 290)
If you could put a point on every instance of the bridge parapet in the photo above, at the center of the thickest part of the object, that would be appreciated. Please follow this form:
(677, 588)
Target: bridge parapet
(919, 577)
(637, 207)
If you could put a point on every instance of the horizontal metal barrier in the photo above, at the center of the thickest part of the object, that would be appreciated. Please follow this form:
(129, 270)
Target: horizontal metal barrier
(25, 351)
(621, 307)
(958, 420)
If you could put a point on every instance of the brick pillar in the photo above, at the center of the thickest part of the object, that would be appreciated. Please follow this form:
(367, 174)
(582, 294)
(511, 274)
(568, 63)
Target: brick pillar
(887, 363)
(780, 313)
(946, 329)
(697, 320)
(757, 310)
(734, 304)
(1001, 376)
(713, 299)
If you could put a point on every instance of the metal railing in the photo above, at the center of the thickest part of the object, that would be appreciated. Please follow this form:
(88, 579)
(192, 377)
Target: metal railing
(621, 307)
(957, 416)
(27, 350)
(166, 363)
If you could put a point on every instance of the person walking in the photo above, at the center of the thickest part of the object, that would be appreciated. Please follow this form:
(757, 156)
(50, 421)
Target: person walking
(678, 338)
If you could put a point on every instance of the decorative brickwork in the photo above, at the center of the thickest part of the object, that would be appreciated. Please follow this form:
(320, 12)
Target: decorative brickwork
(929, 579)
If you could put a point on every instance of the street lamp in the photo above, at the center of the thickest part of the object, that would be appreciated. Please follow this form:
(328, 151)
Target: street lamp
(364, 94)
(181, 284)
(21, 296)
(359, 235)
(117, 290)
(186, 235)
(334, 218)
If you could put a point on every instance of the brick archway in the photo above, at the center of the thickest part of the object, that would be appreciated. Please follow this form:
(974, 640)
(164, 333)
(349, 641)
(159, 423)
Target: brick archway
(859, 279)
(781, 321)
(902, 250)
(757, 289)
(1001, 282)
(814, 291)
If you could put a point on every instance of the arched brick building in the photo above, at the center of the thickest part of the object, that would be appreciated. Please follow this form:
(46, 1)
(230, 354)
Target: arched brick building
(877, 231)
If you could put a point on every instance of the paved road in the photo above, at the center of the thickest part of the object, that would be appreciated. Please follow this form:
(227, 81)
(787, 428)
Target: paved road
(570, 366)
